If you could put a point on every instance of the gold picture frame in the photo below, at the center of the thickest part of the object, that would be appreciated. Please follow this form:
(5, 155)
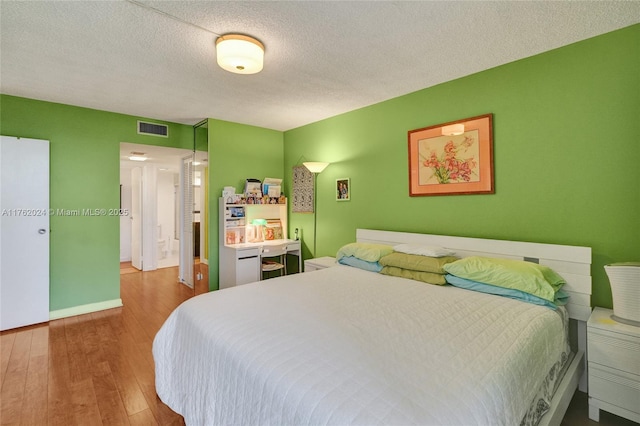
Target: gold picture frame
(343, 189)
(453, 158)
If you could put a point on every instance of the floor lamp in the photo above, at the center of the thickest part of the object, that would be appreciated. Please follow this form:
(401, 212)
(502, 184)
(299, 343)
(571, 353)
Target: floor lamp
(315, 167)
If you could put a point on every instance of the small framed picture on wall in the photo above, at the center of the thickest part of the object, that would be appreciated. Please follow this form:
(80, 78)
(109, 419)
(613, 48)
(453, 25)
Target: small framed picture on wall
(343, 189)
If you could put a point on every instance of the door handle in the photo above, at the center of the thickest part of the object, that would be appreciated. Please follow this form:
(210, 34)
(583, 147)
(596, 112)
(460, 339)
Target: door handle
(42, 231)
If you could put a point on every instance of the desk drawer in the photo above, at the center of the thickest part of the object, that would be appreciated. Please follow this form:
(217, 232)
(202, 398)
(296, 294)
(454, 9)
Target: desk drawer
(247, 253)
(293, 246)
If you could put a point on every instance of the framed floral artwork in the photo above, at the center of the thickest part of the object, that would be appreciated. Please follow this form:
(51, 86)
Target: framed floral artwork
(343, 189)
(452, 158)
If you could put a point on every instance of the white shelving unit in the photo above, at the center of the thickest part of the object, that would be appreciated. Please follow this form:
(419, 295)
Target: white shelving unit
(235, 219)
(239, 255)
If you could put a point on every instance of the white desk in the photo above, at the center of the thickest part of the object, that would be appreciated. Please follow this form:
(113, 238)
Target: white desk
(246, 260)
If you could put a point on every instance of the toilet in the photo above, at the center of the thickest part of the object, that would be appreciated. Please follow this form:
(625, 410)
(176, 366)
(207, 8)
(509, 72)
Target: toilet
(163, 244)
(162, 249)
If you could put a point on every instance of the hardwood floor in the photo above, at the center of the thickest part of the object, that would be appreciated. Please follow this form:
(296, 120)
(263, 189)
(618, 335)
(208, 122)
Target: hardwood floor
(97, 369)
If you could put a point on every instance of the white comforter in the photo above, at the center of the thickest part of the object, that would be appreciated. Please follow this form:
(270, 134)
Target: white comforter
(345, 346)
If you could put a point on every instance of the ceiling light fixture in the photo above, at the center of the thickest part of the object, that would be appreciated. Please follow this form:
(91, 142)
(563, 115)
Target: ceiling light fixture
(138, 156)
(453, 129)
(239, 54)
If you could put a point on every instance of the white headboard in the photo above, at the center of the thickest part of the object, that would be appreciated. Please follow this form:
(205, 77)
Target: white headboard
(571, 262)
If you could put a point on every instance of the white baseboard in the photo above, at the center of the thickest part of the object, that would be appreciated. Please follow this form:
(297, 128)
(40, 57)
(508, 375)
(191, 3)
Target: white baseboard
(85, 309)
(205, 261)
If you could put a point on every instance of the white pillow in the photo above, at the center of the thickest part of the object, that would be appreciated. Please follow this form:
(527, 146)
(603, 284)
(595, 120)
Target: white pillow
(422, 250)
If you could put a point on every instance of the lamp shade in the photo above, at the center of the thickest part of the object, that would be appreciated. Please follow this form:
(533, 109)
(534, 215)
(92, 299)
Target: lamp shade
(315, 166)
(239, 54)
(453, 129)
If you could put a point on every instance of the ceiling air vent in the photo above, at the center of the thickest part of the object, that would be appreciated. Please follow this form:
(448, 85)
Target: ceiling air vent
(153, 129)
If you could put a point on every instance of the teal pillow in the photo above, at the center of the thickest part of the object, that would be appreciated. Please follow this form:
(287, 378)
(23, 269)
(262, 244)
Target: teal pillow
(361, 264)
(561, 297)
(529, 277)
(366, 251)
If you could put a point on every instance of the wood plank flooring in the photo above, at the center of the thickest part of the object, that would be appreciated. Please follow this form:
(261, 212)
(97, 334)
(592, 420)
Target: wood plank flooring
(97, 369)
(93, 369)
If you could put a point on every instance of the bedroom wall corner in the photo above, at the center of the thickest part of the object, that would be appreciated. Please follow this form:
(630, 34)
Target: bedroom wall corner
(237, 152)
(85, 174)
(565, 156)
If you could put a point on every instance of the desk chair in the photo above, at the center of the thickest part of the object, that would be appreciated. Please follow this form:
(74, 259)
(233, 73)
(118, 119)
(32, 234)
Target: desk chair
(274, 258)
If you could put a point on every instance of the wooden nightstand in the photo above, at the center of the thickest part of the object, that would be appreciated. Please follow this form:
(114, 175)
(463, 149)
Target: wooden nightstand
(319, 263)
(614, 366)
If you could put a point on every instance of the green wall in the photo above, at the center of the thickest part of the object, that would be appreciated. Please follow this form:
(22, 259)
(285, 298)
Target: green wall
(85, 174)
(566, 126)
(566, 154)
(238, 152)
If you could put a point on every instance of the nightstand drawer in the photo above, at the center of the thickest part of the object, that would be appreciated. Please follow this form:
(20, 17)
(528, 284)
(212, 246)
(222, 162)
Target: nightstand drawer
(319, 263)
(614, 350)
(620, 388)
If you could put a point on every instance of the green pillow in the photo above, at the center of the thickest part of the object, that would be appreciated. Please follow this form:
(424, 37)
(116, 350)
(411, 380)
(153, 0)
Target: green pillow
(366, 251)
(417, 262)
(529, 277)
(427, 277)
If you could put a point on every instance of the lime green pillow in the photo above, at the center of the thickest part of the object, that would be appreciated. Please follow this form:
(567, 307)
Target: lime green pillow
(366, 251)
(417, 262)
(529, 277)
(427, 277)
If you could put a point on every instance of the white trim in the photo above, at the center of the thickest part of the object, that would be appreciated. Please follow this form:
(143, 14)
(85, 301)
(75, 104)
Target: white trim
(149, 215)
(85, 309)
(511, 248)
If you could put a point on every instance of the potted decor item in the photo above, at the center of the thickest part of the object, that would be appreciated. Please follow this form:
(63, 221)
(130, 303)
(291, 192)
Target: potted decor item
(625, 289)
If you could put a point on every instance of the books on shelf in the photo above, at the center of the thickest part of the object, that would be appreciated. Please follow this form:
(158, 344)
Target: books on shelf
(253, 187)
(233, 223)
(272, 187)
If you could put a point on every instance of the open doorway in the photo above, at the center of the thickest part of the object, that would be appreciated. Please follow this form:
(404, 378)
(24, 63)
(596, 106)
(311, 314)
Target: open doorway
(150, 191)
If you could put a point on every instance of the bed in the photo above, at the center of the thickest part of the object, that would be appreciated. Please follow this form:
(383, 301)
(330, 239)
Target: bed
(348, 346)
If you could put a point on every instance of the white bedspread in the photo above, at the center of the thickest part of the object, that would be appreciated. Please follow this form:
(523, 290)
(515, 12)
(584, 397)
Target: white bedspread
(345, 346)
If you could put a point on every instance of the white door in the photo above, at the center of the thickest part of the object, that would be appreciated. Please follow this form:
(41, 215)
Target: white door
(24, 232)
(186, 221)
(136, 218)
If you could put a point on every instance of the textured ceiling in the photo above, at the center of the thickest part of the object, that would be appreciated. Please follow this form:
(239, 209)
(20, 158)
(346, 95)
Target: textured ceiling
(321, 59)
